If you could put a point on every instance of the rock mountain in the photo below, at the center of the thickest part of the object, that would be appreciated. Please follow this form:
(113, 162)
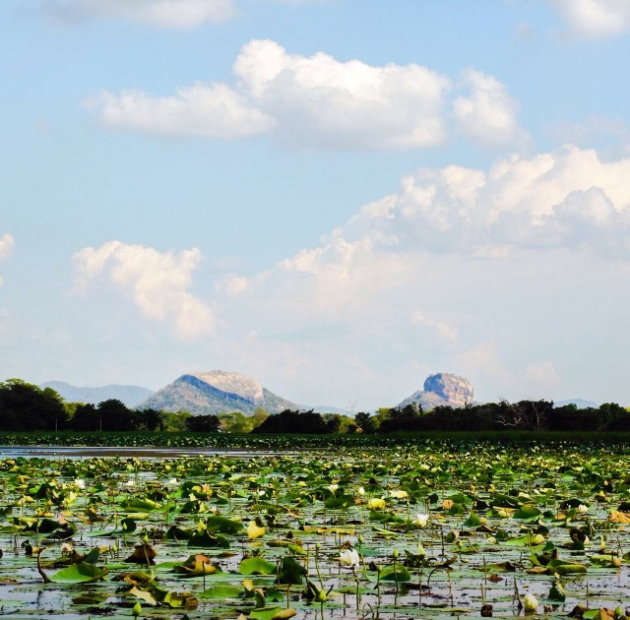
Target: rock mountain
(214, 392)
(442, 389)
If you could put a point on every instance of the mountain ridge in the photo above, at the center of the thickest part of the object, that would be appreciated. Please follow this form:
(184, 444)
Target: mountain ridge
(130, 395)
(215, 392)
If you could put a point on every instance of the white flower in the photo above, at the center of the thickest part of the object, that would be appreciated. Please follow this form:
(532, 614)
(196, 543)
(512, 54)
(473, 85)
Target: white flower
(349, 557)
(79, 483)
(333, 487)
(582, 508)
(361, 491)
(172, 481)
(421, 519)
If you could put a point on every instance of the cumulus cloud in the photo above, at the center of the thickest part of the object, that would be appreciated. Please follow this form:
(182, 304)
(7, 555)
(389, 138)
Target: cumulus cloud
(6, 247)
(214, 111)
(320, 102)
(157, 282)
(343, 104)
(487, 114)
(160, 13)
(595, 18)
(564, 200)
(567, 198)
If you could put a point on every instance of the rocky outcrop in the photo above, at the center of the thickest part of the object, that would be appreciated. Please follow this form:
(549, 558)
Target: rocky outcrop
(442, 389)
(214, 392)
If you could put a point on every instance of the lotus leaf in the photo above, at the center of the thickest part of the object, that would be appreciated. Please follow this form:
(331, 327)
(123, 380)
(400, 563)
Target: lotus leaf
(256, 566)
(79, 573)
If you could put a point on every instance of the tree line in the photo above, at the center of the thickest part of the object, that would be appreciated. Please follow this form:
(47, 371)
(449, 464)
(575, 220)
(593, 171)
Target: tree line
(525, 415)
(27, 407)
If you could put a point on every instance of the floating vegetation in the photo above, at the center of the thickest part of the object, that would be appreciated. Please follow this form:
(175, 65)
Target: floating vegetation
(426, 530)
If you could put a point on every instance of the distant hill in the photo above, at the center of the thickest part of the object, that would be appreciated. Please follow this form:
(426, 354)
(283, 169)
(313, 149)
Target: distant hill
(442, 389)
(580, 403)
(130, 395)
(214, 392)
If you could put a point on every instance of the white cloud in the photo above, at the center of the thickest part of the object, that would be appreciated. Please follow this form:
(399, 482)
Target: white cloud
(595, 18)
(214, 111)
(492, 273)
(157, 282)
(320, 102)
(160, 13)
(488, 113)
(567, 198)
(6, 247)
(444, 330)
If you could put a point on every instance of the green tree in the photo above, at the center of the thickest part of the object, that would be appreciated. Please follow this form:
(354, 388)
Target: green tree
(85, 418)
(114, 416)
(203, 424)
(148, 420)
(365, 422)
(27, 407)
(234, 422)
(175, 421)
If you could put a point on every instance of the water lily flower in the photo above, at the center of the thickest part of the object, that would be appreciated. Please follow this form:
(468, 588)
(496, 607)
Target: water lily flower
(79, 483)
(66, 548)
(361, 491)
(582, 508)
(349, 557)
(333, 487)
(421, 519)
(530, 602)
(376, 503)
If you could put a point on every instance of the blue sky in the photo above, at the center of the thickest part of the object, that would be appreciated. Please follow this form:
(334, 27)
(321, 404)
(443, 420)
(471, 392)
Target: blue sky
(335, 197)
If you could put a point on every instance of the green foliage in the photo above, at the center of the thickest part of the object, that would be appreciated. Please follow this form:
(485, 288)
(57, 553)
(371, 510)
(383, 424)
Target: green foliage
(203, 424)
(26, 407)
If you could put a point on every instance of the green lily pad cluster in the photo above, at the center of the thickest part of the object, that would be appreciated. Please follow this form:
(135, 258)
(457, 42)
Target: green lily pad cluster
(437, 528)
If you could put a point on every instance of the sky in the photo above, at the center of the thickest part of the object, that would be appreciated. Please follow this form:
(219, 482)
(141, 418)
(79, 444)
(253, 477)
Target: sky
(336, 197)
